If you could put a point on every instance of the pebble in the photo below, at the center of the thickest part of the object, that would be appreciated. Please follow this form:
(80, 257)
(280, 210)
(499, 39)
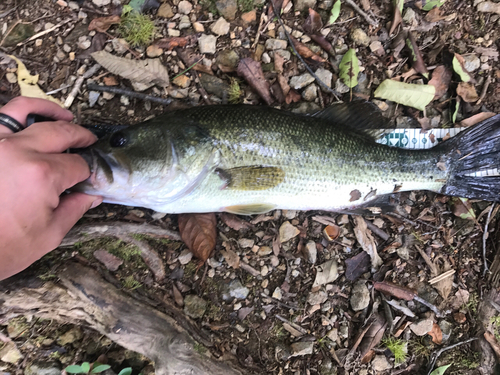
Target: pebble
(154, 51)
(246, 243)
(360, 38)
(311, 252)
(93, 97)
(275, 261)
(220, 27)
(446, 329)
(383, 106)
(333, 334)
(84, 42)
(125, 100)
(380, 364)
(471, 62)
(287, 232)
(235, 290)
(377, 48)
(11, 77)
(174, 32)
(284, 53)
(66, 48)
(264, 250)
(74, 334)
(48, 25)
(344, 331)
(10, 353)
(73, 5)
(185, 7)
(489, 7)
(264, 271)
(194, 306)
(185, 256)
(422, 327)
(182, 81)
(360, 296)
(214, 85)
(266, 59)
(317, 298)
(38, 42)
(278, 294)
(101, 3)
(228, 57)
(120, 45)
(325, 76)
(326, 273)
(340, 87)
(299, 82)
(249, 17)
(273, 44)
(198, 27)
(310, 93)
(227, 8)
(184, 23)
(302, 348)
(165, 11)
(207, 43)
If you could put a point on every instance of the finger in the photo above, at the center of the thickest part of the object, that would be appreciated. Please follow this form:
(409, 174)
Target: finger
(19, 108)
(71, 208)
(69, 169)
(54, 137)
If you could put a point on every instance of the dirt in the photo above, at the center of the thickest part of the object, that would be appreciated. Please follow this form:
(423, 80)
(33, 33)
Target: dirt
(256, 328)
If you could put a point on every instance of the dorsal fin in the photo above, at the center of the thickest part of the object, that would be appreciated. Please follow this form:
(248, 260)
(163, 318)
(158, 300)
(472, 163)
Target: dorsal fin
(359, 115)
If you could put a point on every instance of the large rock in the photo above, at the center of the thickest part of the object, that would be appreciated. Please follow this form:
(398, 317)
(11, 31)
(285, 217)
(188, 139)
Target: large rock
(43, 368)
(194, 306)
(227, 8)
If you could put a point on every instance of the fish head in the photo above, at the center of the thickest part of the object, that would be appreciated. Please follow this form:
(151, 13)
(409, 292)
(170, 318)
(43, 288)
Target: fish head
(146, 165)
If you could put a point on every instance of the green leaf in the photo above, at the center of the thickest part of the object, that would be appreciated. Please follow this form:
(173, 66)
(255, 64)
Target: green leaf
(455, 112)
(440, 370)
(74, 369)
(100, 368)
(416, 96)
(126, 371)
(433, 4)
(349, 68)
(85, 367)
(458, 67)
(335, 12)
(399, 4)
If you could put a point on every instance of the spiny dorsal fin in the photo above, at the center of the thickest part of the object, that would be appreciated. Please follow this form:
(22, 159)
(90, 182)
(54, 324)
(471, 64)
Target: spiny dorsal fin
(358, 115)
(253, 177)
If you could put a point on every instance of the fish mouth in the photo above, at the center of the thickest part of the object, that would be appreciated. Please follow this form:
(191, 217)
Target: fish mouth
(101, 168)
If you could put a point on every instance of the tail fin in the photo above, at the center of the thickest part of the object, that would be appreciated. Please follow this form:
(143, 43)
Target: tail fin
(475, 162)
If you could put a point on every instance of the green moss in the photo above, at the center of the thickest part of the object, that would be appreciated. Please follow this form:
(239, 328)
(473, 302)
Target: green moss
(495, 322)
(199, 348)
(190, 269)
(245, 5)
(210, 6)
(234, 92)
(131, 283)
(472, 303)
(420, 347)
(397, 347)
(136, 28)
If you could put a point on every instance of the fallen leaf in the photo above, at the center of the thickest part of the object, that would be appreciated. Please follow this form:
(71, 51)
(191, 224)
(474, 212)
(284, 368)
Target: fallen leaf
(28, 83)
(232, 259)
(428, 5)
(476, 119)
(416, 57)
(278, 63)
(102, 24)
(440, 370)
(169, 44)
(251, 71)
(396, 18)
(373, 335)
(285, 87)
(331, 232)
(189, 57)
(199, 233)
(292, 97)
(394, 290)
(462, 208)
(335, 12)
(460, 299)
(313, 23)
(441, 78)
(234, 222)
(305, 52)
(455, 112)
(179, 300)
(323, 43)
(467, 92)
(366, 240)
(436, 334)
(459, 68)
(349, 68)
(492, 340)
(110, 261)
(110, 81)
(434, 15)
(326, 273)
(412, 95)
(147, 72)
(357, 265)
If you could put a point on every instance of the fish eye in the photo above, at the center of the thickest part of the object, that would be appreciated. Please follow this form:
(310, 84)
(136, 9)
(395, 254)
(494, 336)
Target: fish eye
(118, 139)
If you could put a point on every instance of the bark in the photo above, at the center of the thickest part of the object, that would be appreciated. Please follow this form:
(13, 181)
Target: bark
(81, 296)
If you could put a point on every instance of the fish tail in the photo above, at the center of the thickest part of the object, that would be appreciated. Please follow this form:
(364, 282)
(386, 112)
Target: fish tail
(474, 162)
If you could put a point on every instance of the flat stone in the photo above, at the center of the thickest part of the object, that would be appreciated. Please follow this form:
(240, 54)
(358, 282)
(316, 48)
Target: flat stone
(471, 62)
(340, 87)
(173, 32)
(214, 85)
(360, 296)
(249, 17)
(235, 290)
(299, 82)
(311, 252)
(325, 76)
(182, 81)
(185, 7)
(185, 256)
(333, 334)
(198, 27)
(360, 38)
(278, 294)
(227, 8)
(220, 27)
(184, 23)
(74, 334)
(310, 93)
(287, 232)
(317, 298)
(207, 43)
(165, 11)
(422, 327)
(154, 51)
(194, 306)
(43, 368)
(101, 3)
(380, 364)
(10, 353)
(11, 77)
(302, 348)
(274, 44)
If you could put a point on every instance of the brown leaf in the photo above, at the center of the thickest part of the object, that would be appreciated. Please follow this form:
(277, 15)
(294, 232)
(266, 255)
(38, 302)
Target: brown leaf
(305, 52)
(234, 222)
(331, 232)
(396, 19)
(251, 70)
(461, 61)
(467, 92)
(277, 92)
(323, 43)
(110, 81)
(462, 208)
(313, 23)
(436, 334)
(232, 259)
(434, 15)
(189, 57)
(416, 57)
(199, 233)
(373, 336)
(179, 300)
(110, 261)
(441, 78)
(493, 342)
(357, 265)
(169, 44)
(102, 24)
(292, 97)
(394, 290)
(278, 63)
(473, 120)
(285, 87)
(366, 240)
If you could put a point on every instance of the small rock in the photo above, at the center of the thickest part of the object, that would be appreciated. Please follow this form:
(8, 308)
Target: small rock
(38, 42)
(249, 17)
(11, 77)
(278, 294)
(101, 3)
(422, 327)
(73, 5)
(446, 329)
(310, 93)
(344, 331)
(93, 97)
(383, 106)
(264, 250)
(301, 5)
(340, 87)
(66, 48)
(84, 42)
(284, 53)
(410, 17)
(182, 81)
(266, 59)
(43, 368)
(207, 43)
(165, 11)
(311, 252)
(74, 334)
(194, 306)
(235, 290)
(325, 76)
(48, 25)
(360, 38)
(380, 364)
(326, 273)
(154, 51)
(220, 27)
(198, 27)
(360, 296)
(287, 232)
(377, 48)
(214, 85)
(333, 334)
(302, 348)
(110, 261)
(174, 32)
(185, 256)
(185, 7)
(125, 100)
(489, 7)
(120, 45)
(264, 271)
(227, 8)
(273, 44)
(299, 82)
(246, 243)
(184, 23)
(228, 57)
(317, 298)
(10, 353)
(471, 62)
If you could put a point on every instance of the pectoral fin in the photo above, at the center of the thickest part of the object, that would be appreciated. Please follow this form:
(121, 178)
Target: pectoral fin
(254, 177)
(250, 209)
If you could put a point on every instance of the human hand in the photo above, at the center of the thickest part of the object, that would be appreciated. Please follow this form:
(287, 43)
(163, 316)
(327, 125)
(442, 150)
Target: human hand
(34, 217)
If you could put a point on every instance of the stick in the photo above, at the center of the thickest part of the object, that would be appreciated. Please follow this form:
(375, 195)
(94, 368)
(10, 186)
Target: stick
(41, 33)
(78, 84)
(436, 355)
(485, 237)
(368, 19)
(132, 94)
(484, 90)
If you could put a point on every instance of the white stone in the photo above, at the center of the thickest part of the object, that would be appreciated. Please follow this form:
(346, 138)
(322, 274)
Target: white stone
(220, 27)
(185, 7)
(207, 43)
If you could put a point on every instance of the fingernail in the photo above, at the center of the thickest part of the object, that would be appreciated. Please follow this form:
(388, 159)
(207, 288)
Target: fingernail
(96, 203)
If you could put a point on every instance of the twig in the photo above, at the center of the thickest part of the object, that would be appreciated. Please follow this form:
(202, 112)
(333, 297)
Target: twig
(368, 19)
(41, 33)
(484, 90)
(189, 68)
(436, 355)
(78, 84)
(9, 31)
(132, 94)
(202, 91)
(296, 326)
(321, 83)
(6, 13)
(485, 237)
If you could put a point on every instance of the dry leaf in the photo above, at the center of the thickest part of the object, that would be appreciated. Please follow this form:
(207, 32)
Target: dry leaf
(232, 259)
(102, 24)
(147, 72)
(394, 290)
(476, 119)
(366, 240)
(323, 43)
(234, 222)
(467, 92)
(357, 265)
(326, 273)
(373, 335)
(441, 78)
(110, 261)
(278, 63)
(179, 300)
(305, 52)
(416, 56)
(462, 208)
(285, 87)
(493, 342)
(436, 334)
(199, 233)
(396, 19)
(189, 57)
(313, 23)
(331, 232)
(434, 15)
(110, 81)
(251, 70)
(292, 97)
(169, 44)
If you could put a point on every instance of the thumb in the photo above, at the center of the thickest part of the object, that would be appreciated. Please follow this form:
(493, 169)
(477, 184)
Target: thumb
(71, 208)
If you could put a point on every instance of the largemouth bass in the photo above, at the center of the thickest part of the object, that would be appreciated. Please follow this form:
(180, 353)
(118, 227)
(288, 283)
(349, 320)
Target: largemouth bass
(251, 159)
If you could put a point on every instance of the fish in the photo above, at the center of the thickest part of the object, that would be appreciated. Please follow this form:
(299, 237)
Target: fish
(248, 160)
